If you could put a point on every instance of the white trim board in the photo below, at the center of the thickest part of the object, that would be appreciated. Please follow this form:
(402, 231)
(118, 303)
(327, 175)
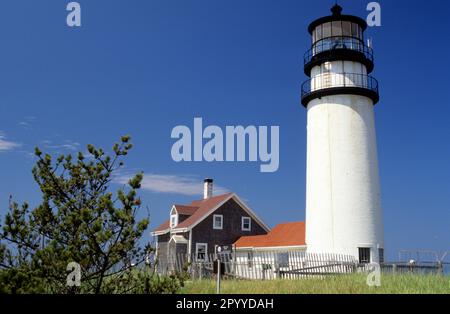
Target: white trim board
(272, 248)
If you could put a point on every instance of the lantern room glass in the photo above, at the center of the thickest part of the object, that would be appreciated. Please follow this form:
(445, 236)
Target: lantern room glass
(346, 29)
(326, 30)
(337, 29)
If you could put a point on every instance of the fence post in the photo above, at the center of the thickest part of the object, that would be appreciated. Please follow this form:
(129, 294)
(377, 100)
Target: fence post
(233, 250)
(440, 268)
(277, 268)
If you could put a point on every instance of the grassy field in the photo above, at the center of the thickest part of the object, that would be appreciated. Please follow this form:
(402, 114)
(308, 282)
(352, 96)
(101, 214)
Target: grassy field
(348, 284)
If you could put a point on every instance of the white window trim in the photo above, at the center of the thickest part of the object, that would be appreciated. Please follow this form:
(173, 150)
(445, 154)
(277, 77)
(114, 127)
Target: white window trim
(249, 224)
(197, 245)
(221, 222)
(173, 225)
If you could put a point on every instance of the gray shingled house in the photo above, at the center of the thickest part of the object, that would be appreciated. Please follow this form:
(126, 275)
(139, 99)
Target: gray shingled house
(198, 228)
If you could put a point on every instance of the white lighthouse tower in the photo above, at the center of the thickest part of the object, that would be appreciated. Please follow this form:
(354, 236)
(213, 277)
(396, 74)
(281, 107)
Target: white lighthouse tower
(343, 211)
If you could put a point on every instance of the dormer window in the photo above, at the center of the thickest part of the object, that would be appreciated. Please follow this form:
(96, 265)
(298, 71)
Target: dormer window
(173, 221)
(173, 218)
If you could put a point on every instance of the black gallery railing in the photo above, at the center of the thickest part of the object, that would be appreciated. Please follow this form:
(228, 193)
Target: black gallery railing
(335, 43)
(339, 80)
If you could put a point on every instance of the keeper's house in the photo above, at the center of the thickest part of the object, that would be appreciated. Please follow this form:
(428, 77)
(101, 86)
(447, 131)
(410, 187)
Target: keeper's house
(198, 228)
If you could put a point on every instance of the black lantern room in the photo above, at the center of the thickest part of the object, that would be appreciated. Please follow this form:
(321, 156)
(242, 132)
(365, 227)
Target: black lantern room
(339, 37)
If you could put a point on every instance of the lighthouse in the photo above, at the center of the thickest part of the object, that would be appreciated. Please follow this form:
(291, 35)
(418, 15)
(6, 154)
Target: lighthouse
(343, 210)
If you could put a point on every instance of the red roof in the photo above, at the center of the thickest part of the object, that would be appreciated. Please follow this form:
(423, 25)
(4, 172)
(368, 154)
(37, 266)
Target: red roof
(197, 209)
(185, 210)
(165, 225)
(288, 234)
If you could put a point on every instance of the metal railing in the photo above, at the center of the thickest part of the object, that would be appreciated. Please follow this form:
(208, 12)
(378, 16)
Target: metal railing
(337, 80)
(338, 42)
(423, 261)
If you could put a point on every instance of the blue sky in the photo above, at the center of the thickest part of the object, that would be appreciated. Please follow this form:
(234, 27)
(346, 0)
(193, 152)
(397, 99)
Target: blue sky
(144, 67)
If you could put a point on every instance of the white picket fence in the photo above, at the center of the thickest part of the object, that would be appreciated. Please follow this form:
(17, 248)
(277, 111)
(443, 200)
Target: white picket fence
(260, 265)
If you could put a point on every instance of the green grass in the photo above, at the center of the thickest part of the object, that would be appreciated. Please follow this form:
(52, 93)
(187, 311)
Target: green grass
(346, 284)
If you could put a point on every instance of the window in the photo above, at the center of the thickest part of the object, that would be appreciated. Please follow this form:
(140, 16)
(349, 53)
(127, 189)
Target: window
(354, 30)
(246, 224)
(364, 255)
(326, 31)
(327, 66)
(218, 222)
(283, 259)
(381, 256)
(201, 251)
(318, 32)
(336, 29)
(347, 29)
(173, 220)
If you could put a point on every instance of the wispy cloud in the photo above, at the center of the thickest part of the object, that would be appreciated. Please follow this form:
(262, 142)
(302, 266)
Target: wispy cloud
(6, 145)
(171, 184)
(28, 154)
(65, 145)
(26, 123)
